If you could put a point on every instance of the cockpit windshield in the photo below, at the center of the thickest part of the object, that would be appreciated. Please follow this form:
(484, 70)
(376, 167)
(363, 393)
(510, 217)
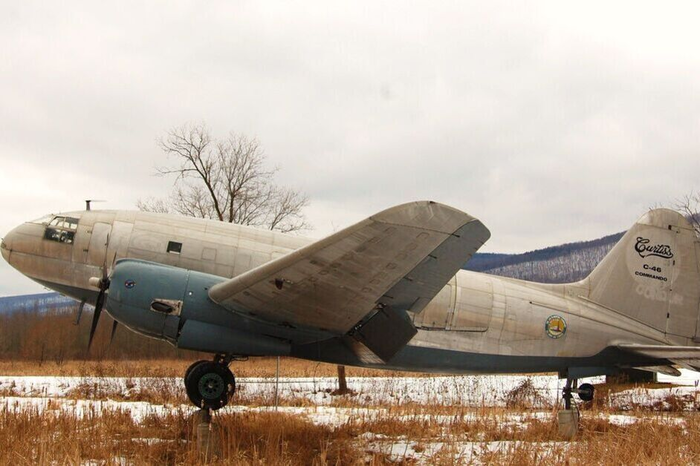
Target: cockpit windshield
(61, 229)
(45, 219)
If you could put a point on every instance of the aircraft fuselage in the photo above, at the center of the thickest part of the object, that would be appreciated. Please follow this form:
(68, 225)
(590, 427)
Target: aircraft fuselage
(478, 323)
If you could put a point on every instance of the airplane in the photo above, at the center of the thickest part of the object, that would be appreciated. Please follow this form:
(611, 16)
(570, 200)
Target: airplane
(388, 292)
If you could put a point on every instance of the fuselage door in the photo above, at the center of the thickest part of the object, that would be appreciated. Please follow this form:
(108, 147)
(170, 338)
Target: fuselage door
(436, 315)
(82, 241)
(99, 240)
(474, 304)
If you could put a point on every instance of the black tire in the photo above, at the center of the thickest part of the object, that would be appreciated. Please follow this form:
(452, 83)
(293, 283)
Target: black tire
(586, 392)
(192, 366)
(209, 385)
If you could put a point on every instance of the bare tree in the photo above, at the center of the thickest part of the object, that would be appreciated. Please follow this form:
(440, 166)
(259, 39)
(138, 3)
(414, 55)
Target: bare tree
(227, 180)
(152, 204)
(689, 205)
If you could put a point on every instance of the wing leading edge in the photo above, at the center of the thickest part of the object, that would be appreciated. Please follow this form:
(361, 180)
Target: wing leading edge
(362, 280)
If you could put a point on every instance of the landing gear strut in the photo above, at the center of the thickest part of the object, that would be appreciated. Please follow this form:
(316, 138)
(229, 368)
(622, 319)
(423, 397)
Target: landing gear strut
(585, 392)
(567, 392)
(568, 417)
(210, 384)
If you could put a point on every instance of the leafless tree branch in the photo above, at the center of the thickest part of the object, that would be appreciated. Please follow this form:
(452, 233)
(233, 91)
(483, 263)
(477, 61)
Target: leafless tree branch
(152, 204)
(226, 180)
(689, 205)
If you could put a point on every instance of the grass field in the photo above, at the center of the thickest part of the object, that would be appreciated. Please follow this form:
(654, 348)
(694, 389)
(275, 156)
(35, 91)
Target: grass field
(254, 367)
(137, 413)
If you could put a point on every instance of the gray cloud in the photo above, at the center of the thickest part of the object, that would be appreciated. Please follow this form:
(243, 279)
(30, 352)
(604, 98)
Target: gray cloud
(551, 122)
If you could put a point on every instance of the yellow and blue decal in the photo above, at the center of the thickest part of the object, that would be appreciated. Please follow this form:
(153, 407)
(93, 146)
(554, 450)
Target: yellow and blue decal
(555, 326)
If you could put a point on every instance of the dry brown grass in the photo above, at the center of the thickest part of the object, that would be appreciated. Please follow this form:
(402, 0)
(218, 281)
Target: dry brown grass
(155, 391)
(28, 437)
(517, 434)
(599, 442)
(253, 367)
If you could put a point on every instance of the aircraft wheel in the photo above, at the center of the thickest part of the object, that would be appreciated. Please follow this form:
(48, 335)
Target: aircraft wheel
(192, 366)
(586, 392)
(209, 385)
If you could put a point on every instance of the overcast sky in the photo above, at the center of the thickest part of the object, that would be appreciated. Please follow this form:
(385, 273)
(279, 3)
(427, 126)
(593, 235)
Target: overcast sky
(551, 122)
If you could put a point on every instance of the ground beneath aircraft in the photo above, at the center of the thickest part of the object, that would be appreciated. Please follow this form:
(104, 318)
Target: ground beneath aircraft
(423, 420)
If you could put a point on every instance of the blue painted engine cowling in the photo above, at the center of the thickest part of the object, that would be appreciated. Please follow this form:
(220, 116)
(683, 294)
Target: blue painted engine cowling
(136, 285)
(173, 304)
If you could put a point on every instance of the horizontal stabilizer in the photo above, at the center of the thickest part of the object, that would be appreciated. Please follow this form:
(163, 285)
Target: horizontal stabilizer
(686, 356)
(667, 370)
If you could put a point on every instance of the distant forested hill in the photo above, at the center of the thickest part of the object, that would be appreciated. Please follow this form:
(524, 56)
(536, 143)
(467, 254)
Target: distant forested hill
(38, 302)
(556, 264)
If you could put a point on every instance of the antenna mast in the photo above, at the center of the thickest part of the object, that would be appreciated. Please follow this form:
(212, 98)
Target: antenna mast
(88, 201)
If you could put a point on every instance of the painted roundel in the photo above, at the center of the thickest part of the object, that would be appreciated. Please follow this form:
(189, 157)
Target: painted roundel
(129, 284)
(555, 326)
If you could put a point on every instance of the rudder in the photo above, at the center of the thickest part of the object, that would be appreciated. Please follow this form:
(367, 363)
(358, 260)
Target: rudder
(652, 274)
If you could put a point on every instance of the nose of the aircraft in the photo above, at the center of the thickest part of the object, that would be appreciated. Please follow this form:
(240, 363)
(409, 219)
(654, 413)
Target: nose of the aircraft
(6, 244)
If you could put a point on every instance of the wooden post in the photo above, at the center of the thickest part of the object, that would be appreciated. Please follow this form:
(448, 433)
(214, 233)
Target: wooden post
(342, 383)
(277, 383)
(207, 435)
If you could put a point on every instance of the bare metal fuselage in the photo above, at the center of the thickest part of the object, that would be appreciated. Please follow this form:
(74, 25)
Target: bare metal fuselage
(478, 323)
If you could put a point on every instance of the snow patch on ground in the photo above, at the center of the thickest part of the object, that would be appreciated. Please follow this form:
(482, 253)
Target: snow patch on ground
(47, 394)
(470, 391)
(372, 399)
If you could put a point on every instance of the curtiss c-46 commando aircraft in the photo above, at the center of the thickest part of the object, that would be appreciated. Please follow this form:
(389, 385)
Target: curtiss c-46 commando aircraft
(387, 292)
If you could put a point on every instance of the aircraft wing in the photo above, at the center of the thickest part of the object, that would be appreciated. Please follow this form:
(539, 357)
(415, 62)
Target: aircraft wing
(686, 356)
(364, 279)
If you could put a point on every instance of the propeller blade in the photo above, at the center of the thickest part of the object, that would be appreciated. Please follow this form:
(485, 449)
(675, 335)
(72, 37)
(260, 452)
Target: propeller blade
(80, 312)
(96, 316)
(103, 286)
(114, 330)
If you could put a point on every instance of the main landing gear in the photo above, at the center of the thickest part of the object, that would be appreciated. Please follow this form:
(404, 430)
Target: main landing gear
(585, 392)
(568, 417)
(210, 384)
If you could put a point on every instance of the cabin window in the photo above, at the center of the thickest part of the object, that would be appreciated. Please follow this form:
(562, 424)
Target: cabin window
(174, 247)
(61, 229)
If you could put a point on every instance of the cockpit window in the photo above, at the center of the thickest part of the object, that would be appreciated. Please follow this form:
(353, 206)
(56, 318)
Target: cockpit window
(61, 229)
(45, 219)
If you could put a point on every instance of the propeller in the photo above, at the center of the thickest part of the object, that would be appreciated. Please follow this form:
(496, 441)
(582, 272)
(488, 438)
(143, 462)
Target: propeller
(115, 324)
(101, 284)
(80, 312)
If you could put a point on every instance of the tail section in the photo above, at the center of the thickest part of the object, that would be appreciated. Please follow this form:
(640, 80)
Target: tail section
(653, 274)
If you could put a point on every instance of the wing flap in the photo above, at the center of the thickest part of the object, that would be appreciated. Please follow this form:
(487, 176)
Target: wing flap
(417, 288)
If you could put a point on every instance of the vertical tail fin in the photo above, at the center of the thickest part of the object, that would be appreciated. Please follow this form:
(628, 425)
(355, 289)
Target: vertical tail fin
(653, 274)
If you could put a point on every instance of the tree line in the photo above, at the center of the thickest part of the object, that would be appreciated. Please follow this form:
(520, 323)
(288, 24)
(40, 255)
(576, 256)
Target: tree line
(52, 335)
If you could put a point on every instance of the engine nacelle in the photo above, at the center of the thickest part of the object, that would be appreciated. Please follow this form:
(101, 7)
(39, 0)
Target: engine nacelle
(173, 304)
(148, 297)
